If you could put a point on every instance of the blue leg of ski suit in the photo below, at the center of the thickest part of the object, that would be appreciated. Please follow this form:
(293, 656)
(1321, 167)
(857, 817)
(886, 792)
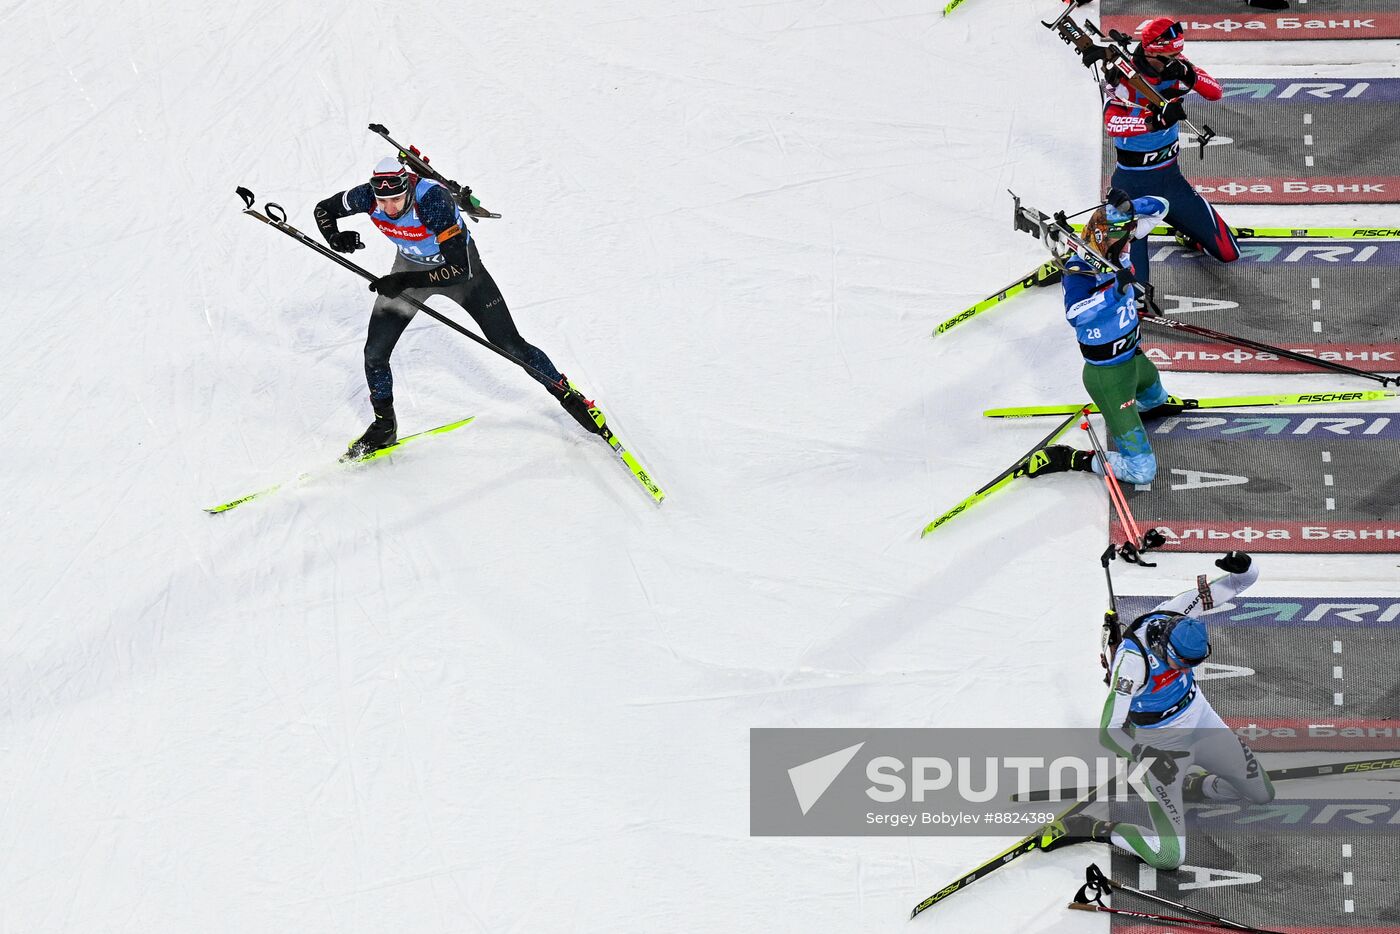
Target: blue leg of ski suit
(1190, 213)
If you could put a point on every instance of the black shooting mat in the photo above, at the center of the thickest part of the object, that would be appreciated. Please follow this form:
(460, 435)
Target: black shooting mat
(1271, 482)
(1333, 299)
(1300, 673)
(1295, 141)
(1305, 662)
(1316, 883)
(1233, 20)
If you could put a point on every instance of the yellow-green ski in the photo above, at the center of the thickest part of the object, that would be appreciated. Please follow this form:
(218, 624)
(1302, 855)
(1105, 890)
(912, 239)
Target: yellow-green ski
(1297, 233)
(1001, 479)
(634, 466)
(1036, 840)
(382, 452)
(1219, 402)
(1043, 275)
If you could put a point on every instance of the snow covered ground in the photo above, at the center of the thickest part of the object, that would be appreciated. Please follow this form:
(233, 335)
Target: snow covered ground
(483, 685)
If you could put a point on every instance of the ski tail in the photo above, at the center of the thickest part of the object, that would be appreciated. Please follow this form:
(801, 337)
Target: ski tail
(1001, 479)
(1043, 275)
(629, 460)
(375, 455)
(1018, 849)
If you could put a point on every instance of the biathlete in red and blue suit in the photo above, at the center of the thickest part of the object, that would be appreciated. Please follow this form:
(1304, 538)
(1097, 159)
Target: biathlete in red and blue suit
(1147, 145)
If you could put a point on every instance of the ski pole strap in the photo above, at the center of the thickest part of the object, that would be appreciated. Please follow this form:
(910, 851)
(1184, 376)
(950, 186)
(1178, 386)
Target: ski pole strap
(1095, 886)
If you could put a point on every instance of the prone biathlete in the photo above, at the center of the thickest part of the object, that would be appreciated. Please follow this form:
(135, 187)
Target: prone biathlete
(1147, 145)
(1156, 711)
(1103, 309)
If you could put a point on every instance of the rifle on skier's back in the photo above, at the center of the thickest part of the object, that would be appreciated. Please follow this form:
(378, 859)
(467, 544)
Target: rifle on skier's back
(418, 163)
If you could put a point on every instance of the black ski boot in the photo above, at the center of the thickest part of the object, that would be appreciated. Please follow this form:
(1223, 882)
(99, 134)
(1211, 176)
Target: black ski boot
(1077, 828)
(583, 410)
(1193, 789)
(1057, 458)
(382, 433)
(1173, 406)
(1188, 243)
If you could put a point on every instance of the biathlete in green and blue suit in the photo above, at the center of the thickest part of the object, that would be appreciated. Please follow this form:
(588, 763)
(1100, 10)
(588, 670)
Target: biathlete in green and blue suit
(1103, 309)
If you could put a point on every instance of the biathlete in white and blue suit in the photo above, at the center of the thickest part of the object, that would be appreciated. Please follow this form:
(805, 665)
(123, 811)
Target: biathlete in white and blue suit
(1103, 310)
(437, 256)
(1147, 145)
(1156, 711)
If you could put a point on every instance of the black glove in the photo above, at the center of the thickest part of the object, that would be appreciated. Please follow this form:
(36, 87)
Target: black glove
(1234, 562)
(1179, 69)
(395, 282)
(1092, 54)
(1125, 279)
(345, 241)
(1112, 75)
(1119, 200)
(1172, 114)
(1165, 768)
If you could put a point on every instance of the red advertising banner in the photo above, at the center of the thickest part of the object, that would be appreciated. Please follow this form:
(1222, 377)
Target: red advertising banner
(1335, 190)
(1225, 358)
(1273, 26)
(1269, 535)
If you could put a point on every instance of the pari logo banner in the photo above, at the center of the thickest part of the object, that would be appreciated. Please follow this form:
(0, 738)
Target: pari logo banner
(949, 782)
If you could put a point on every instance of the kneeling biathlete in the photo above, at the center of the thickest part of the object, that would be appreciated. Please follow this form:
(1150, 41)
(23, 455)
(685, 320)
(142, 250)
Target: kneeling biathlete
(1156, 710)
(1103, 309)
(1147, 143)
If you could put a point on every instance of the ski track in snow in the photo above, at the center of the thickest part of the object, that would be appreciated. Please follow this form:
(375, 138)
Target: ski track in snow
(483, 685)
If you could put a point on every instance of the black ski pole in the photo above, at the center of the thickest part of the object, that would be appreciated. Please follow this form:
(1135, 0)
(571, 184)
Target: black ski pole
(1160, 319)
(1096, 884)
(276, 218)
(462, 194)
(1112, 633)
